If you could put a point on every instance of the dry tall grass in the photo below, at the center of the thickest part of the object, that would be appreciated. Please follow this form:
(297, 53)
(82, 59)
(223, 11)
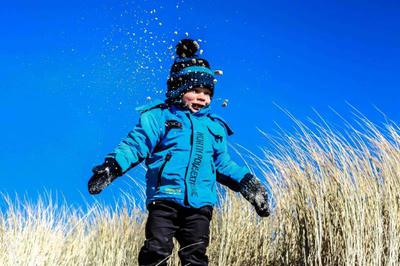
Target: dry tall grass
(337, 200)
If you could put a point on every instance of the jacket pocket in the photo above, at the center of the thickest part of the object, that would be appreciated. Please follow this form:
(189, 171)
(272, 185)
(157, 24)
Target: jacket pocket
(167, 158)
(216, 134)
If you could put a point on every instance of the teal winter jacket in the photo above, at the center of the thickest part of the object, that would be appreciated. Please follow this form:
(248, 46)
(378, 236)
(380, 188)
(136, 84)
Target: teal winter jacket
(185, 154)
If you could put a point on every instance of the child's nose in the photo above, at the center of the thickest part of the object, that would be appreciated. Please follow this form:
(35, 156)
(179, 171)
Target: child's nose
(201, 97)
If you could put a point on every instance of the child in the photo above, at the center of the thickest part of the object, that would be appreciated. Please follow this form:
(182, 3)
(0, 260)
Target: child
(184, 146)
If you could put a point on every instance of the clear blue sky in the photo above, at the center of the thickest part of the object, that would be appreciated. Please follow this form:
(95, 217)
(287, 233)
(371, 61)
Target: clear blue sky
(73, 72)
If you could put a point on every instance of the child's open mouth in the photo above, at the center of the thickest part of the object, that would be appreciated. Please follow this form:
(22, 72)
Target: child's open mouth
(197, 106)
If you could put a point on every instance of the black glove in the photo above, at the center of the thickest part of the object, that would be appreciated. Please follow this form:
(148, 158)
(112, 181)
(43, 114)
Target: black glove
(253, 191)
(103, 175)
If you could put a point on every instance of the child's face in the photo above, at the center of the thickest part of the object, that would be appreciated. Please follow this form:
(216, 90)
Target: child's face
(197, 98)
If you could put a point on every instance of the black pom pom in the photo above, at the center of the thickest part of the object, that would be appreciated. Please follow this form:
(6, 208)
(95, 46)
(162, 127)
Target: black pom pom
(187, 48)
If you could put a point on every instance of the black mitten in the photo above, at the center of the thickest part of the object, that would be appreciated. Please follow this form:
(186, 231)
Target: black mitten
(253, 191)
(103, 175)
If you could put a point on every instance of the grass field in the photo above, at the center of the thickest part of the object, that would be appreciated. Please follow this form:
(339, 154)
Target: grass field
(336, 202)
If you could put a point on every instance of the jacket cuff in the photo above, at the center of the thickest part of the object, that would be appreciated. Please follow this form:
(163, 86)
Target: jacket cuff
(228, 182)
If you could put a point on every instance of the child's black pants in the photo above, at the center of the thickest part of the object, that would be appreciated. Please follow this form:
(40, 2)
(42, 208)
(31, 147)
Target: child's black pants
(190, 226)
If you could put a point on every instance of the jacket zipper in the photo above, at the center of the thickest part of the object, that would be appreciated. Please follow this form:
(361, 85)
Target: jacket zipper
(167, 158)
(186, 200)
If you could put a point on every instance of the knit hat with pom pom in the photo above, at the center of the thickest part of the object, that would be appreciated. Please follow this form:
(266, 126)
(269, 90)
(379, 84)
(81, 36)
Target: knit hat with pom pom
(188, 71)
